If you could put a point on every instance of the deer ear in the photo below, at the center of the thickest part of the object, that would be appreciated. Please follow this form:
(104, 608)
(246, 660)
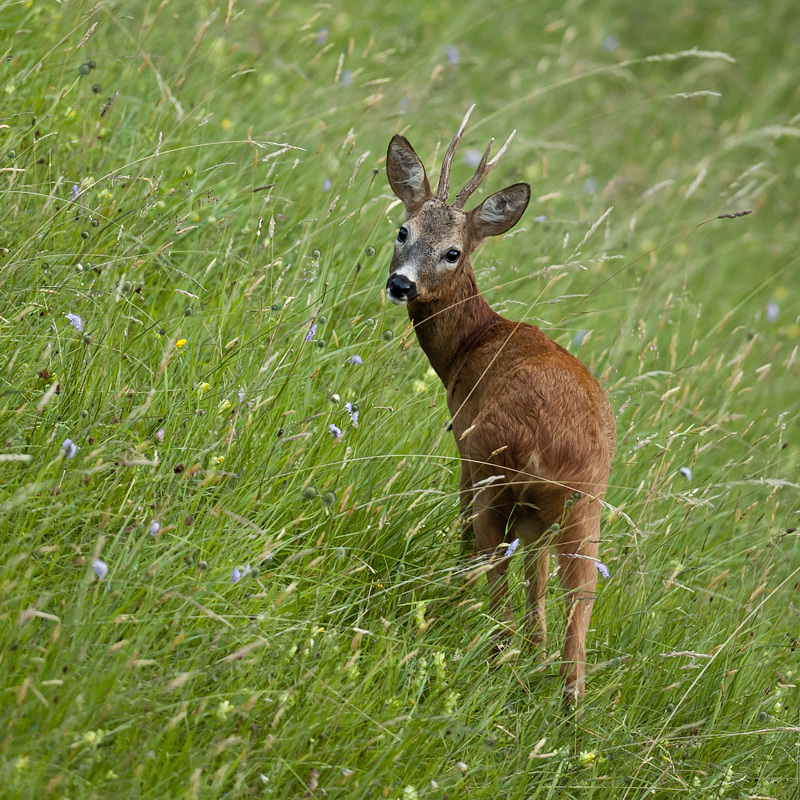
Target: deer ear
(407, 175)
(499, 212)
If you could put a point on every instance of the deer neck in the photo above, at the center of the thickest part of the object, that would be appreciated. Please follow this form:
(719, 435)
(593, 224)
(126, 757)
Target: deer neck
(446, 327)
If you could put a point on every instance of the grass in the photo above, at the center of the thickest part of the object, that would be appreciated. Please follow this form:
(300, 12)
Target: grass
(201, 183)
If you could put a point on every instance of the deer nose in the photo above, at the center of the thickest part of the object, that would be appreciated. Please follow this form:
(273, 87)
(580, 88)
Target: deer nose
(399, 288)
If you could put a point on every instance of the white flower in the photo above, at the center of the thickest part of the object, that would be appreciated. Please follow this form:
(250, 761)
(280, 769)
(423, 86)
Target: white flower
(70, 448)
(100, 568)
(75, 320)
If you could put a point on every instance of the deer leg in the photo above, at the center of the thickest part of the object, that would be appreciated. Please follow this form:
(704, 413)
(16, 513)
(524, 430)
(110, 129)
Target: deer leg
(465, 492)
(537, 566)
(577, 548)
(490, 533)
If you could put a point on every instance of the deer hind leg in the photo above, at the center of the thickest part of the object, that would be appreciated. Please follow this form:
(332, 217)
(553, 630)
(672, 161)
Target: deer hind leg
(490, 532)
(537, 567)
(577, 548)
(465, 494)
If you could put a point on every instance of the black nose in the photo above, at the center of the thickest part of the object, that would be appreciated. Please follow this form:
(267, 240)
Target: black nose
(401, 288)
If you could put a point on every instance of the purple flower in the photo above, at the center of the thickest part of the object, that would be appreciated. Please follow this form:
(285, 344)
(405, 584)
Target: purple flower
(578, 338)
(773, 309)
(322, 36)
(602, 568)
(74, 192)
(452, 54)
(326, 187)
(70, 448)
(355, 360)
(238, 574)
(348, 407)
(334, 431)
(75, 320)
(155, 527)
(347, 78)
(311, 332)
(100, 568)
(160, 435)
(512, 548)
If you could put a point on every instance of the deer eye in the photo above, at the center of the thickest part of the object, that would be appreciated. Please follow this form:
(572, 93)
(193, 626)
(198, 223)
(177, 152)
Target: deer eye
(452, 256)
(402, 234)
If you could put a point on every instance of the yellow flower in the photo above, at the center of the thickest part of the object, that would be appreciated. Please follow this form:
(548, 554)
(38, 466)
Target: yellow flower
(587, 756)
(206, 387)
(180, 343)
(216, 461)
(226, 123)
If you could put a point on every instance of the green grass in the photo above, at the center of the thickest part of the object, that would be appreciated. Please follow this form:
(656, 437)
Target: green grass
(211, 188)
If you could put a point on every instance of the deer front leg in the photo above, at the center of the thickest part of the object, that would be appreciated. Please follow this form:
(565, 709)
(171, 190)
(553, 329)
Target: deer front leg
(577, 553)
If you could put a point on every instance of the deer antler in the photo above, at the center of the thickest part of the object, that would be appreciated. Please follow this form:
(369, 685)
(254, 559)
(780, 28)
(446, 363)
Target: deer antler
(444, 176)
(483, 170)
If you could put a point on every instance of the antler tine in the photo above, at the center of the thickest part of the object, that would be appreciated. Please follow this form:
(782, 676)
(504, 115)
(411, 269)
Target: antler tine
(484, 168)
(444, 176)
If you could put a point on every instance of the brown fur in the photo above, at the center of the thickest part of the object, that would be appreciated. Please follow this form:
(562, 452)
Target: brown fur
(531, 424)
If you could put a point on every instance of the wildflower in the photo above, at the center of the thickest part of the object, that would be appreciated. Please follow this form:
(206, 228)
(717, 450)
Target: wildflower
(587, 756)
(610, 44)
(579, 338)
(216, 461)
(180, 343)
(311, 332)
(224, 405)
(160, 435)
(75, 320)
(100, 568)
(602, 569)
(687, 473)
(322, 36)
(452, 54)
(334, 431)
(75, 191)
(205, 387)
(462, 767)
(773, 309)
(240, 395)
(472, 157)
(326, 187)
(69, 447)
(353, 412)
(540, 218)
(419, 386)
(20, 763)
(512, 548)
(409, 793)
(590, 185)
(155, 527)
(223, 709)
(355, 360)
(347, 78)
(238, 574)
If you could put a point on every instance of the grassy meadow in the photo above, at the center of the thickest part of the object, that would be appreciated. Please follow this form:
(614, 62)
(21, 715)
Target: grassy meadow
(217, 578)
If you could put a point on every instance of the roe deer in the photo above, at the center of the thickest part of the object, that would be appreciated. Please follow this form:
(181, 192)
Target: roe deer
(534, 430)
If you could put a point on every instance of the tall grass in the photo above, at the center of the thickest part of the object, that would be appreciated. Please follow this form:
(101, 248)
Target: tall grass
(217, 579)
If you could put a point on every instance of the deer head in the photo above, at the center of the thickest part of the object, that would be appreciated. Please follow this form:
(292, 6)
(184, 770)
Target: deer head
(433, 247)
